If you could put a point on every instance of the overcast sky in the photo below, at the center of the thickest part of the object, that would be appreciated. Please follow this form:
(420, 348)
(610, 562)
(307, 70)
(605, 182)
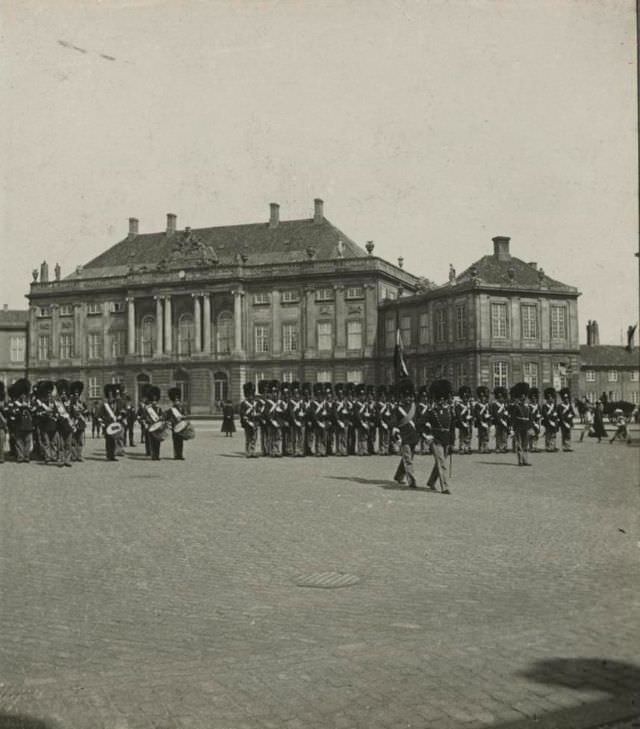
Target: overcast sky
(427, 126)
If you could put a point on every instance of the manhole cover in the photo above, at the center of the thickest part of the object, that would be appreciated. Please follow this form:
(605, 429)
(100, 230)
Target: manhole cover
(328, 580)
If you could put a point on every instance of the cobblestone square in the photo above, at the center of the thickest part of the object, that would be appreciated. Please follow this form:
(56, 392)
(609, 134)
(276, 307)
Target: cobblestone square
(167, 595)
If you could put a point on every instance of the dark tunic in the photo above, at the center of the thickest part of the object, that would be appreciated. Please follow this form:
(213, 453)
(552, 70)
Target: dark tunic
(228, 425)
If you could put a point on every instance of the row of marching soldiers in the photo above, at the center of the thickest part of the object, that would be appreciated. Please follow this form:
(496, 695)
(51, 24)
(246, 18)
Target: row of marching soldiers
(45, 422)
(293, 419)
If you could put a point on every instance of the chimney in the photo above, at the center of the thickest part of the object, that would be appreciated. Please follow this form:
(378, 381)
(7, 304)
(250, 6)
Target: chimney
(171, 223)
(318, 211)
(133, 226)
(589, 334)
(595, 333)
(501, 247)
(274, 217)
(631, 333)
(5, 307)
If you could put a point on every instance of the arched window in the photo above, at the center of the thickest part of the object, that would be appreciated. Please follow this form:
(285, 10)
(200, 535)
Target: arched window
(185, 334)
(147, 335)
(224, 335)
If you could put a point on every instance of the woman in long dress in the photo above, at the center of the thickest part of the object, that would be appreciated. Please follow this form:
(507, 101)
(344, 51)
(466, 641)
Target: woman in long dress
(228, 424)
(599, 431)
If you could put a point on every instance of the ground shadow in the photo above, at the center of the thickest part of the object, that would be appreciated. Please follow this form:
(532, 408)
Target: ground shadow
(388, 484)
(619, 681)
(232, 455)
(495, 463)
(22, 721)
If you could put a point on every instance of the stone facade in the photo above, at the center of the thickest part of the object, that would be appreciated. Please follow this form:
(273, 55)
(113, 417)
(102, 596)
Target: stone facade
(13, 344)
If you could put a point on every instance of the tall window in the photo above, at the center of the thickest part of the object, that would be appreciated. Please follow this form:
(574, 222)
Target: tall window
(461, 321)
(354, 376)
(94, 307)
(405, 330)
(558, 322)
(325, 335)
(66, 346)
(530, 373)
(354, 292)
(324, 294)
(635, 376)
(441, 325)
(499, 320)
(354, 335)
(288, 375)
(612, 375)
(323, 376)
(261, 332)
(529, 321)
(590, 375)
(94, 387)
(43, 312)
(95, 345)
(17, 348)
(116, 307)
(147, 335)
(423, 331)
(43, 346)
(289, 337)
(118, 344)
(635, 397)
(65, 310)
(258, 376)
(461, 373)
(500, 374)
(390, 332)
(186, 334)
(224, 333)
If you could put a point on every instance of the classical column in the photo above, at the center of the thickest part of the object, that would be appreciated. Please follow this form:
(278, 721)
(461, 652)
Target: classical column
(197, 324)
(158, 343)
(206, 321)
(237, 320)
(168, 345)
(131, 325)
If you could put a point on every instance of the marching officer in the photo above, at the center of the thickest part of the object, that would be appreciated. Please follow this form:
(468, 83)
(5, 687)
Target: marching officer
(522, 421)
(441, 422)
(405, 426)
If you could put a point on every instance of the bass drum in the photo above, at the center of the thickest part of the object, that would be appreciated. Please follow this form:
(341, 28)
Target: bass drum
(158, 430)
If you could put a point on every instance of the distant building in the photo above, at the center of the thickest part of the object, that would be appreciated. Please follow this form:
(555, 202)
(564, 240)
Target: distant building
(211, 308)
(501, 321)
(609, 369)
(13, 344)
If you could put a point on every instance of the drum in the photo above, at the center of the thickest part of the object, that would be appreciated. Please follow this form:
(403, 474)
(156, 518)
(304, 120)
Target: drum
(158, 430)
(185, 430)
(114, 429)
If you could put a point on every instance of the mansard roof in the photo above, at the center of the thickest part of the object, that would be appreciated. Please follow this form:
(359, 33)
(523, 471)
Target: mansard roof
(608, 355)
(512, 272)
(286, 242)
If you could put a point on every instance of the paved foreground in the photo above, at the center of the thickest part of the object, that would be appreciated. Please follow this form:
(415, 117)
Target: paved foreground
(171, 595)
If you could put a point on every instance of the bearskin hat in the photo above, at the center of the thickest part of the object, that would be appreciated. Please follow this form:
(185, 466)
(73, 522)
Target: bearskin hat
(423, 391)
(19, 388)
(2, 391)
(110, 390)
(173, 394)
(440, 390)
(76, 387)
(338, 388)
(318, 388)
(360, 389)
(565, 392)
(248, 389)
(119, 387)
(406, 388)
(482, 391)
(550, 392)
(534, 392)
(262, 386)
(306, 388)
(392, 392)
(62, 387)
(273, 385)
(350, 388)
(370, 390)
(499, 391)
(382, 390)
(464, 391)
(44, 388)
(328, 388)
(154, 392)
(295, 386)
(519, 389)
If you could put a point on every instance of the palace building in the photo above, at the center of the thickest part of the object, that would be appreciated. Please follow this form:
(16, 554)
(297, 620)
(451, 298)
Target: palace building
(501, 321)
(208, 309)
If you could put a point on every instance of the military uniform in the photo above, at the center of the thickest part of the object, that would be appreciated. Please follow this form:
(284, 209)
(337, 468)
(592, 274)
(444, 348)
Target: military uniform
(536, 420)
(522, 422)
(500, 419)
(361, 418)
(441, 421)
(4, 423)
(464, 419)
(108, 415)
(175, 414)
(341, 419)
(46, 421)
(296, 417)
(384, 417)
(21, 419)
(79, 414)
(405, 426)
(249, 420)
(482, 416)
(566, 413)
(64, 425)
(550, 420)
